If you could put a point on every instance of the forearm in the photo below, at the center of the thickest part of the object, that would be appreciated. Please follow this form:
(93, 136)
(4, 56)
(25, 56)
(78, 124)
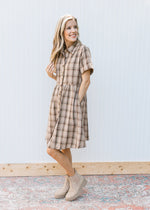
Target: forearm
(51, 75)
(54, 77)
(83, 88)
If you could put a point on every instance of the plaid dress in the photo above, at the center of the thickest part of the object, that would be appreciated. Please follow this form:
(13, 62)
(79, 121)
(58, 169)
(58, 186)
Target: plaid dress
(68, 118)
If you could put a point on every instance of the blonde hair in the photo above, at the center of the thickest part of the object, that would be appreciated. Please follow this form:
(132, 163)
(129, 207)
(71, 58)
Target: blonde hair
(58, 41)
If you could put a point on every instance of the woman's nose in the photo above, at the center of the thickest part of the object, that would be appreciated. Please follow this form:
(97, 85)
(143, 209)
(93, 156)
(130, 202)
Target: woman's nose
(73, 30)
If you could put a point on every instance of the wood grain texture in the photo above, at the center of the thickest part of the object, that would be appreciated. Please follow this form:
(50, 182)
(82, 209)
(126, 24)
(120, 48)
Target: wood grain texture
(88, 168)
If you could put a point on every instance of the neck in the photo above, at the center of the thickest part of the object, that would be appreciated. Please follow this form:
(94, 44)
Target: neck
(68, 44)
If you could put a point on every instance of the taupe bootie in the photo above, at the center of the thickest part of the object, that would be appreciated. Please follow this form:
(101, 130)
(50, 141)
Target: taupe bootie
(60, 193)
(76, 183)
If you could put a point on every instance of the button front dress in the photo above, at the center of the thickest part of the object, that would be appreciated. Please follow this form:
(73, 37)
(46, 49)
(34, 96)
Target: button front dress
(68, 118)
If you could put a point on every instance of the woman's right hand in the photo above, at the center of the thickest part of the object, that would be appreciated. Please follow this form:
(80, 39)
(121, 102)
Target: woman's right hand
(50, 68)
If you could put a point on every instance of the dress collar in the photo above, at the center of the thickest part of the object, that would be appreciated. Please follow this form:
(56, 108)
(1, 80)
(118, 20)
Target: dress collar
(72, 48)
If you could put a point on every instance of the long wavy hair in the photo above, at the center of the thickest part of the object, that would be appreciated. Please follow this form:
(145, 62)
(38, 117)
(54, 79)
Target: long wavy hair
(58, 41)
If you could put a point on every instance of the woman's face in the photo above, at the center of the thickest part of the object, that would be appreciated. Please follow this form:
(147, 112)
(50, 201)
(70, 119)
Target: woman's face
(70, 32)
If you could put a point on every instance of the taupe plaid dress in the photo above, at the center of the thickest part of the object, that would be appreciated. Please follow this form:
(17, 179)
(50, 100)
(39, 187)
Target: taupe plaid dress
(68, 118)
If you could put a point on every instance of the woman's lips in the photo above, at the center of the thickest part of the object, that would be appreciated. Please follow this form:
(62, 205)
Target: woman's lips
(73, 36)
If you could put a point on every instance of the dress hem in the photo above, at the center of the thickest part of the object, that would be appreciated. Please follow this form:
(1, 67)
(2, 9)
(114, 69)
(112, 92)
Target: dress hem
(59, 147)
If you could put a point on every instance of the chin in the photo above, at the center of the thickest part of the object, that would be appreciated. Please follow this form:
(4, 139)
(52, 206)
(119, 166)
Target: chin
(73, 40)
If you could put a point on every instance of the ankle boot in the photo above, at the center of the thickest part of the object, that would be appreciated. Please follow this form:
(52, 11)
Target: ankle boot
(76, 183)
(60, 193)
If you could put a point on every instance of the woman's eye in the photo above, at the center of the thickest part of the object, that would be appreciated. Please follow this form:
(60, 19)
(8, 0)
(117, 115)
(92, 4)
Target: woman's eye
(70, 27)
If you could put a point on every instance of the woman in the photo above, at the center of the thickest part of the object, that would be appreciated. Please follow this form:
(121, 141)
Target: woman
(68, 120)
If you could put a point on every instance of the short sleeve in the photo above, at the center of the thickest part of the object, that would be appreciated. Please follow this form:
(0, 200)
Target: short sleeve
(85, 60)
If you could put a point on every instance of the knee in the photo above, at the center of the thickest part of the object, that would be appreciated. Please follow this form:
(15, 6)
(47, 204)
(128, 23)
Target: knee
(50, 151)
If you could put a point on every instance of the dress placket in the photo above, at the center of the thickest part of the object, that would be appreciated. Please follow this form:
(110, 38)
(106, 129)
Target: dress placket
(61, 81)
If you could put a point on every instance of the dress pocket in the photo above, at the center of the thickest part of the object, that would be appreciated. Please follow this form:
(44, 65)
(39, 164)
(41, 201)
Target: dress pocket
(82, 101)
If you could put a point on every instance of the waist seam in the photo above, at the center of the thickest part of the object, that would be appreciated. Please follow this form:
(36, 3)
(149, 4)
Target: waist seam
(63, 84)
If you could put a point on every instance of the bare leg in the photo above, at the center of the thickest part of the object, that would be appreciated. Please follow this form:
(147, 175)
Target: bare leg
(67, 152)
(62, 159)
